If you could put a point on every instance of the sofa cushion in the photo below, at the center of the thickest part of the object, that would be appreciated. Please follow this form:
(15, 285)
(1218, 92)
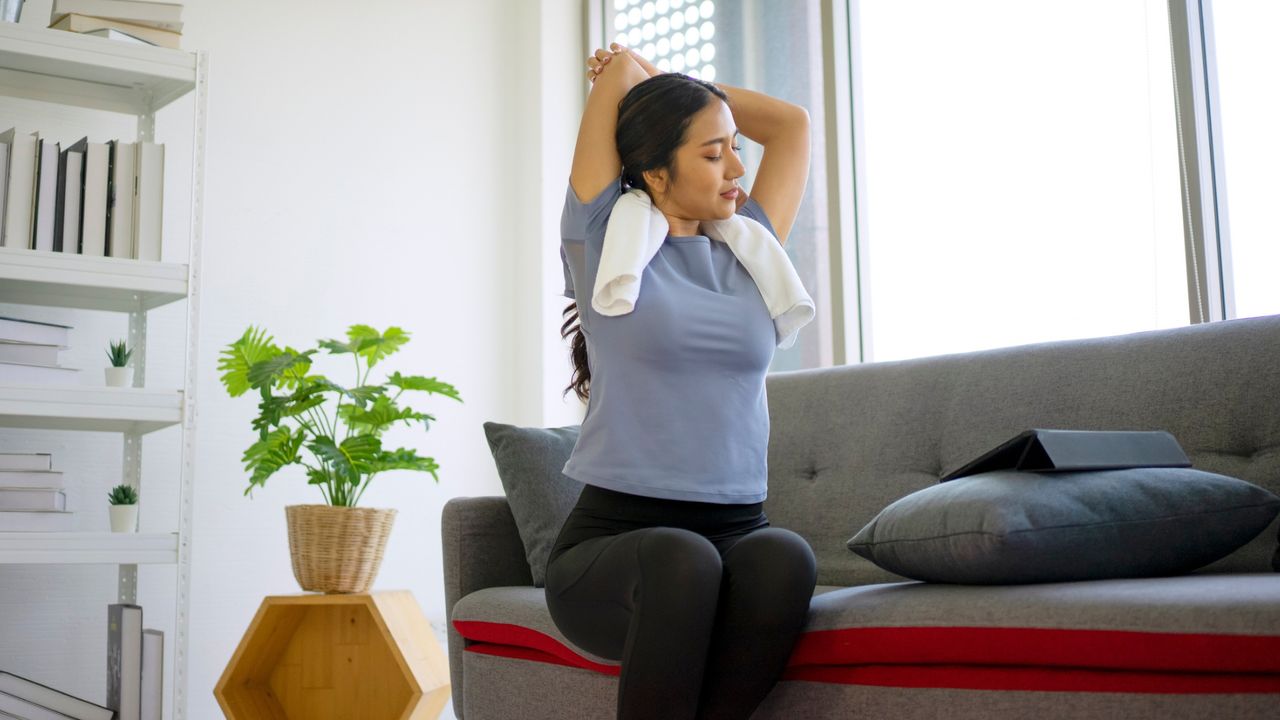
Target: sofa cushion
(529, 461)
(1191, 633)
(1010, 526)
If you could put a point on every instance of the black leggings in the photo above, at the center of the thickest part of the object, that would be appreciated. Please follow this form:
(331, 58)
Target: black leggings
(701, 602)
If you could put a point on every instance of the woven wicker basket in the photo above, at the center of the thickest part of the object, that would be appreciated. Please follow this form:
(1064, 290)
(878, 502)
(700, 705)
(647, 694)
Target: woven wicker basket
(337, 549)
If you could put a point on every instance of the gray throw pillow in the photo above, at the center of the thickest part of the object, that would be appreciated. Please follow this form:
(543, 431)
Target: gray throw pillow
(1010, 526)
(529, 461)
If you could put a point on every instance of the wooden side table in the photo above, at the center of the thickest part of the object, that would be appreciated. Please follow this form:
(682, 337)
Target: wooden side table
(320, 656)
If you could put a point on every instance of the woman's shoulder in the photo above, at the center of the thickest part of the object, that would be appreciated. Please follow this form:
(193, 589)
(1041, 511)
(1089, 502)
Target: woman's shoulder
(585, 218)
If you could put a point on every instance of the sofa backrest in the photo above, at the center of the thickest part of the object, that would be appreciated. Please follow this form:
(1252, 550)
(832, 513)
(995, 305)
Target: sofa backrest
(847, 441)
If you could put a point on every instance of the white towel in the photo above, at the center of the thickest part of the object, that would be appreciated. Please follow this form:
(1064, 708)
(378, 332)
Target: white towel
(637, 229)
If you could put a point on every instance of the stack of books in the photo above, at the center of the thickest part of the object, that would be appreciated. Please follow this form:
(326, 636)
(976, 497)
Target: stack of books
(151, 23)
(29, 353)
(90, 198)
(32, 496)
(21, 697)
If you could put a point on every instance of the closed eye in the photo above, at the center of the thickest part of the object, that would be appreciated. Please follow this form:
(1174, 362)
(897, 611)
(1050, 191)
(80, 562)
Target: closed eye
(736, 148)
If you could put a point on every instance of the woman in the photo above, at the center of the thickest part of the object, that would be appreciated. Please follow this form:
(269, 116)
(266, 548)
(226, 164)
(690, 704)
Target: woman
(668, 562)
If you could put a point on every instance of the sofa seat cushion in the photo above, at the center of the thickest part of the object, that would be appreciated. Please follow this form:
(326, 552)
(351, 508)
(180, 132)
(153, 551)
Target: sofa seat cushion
(1187, 633)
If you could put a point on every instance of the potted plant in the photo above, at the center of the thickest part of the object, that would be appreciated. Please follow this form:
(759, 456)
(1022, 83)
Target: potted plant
(335, 546)
(124, 508)
(118, 375)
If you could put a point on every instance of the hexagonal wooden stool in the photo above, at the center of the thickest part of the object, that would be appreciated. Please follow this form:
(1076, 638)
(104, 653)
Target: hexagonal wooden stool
(318, 656)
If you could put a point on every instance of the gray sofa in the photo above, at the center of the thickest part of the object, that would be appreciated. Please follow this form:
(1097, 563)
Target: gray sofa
(846, 442)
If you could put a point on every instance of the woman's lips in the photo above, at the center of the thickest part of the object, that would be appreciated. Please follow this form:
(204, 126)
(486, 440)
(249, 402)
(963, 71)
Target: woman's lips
(730, 195)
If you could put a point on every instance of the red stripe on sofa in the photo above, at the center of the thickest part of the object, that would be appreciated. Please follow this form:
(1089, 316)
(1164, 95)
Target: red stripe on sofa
(1032, 678)
(517, 637)
(1039, 647)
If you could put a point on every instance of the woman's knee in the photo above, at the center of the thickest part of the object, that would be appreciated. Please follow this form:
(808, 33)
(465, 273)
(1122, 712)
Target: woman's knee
(776, 556)
(679, 556)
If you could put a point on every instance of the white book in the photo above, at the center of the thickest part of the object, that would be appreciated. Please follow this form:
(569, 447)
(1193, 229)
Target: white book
(26, 709)
(45, 217)
(21, 184)
(22, 374)
(152, 675)
(120, 199)
(150, 203)
(32, 499)
(72, 193)
(93, 223)
(4, 184)
(46, 479)
(26, 462)
(30, 353)
(68, 705)
(50, 521)
(167, 16)
(124, 660)
(33, 331)
(114, 34)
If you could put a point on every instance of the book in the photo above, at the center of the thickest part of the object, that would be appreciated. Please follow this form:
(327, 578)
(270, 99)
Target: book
(4, 184)
(20, 184)
(26, 462)
(124, 660)
(47, 479)
(33, 331)
(120, 199)
(47, 521)
(27, 710)
(1053, 450)
(152, 674)
(150, 202)
(33, 353)
(87, 25)
(12, 373)
(167, 16)
(56, 700)
(32, 499)
(43, 219)
(93, 221)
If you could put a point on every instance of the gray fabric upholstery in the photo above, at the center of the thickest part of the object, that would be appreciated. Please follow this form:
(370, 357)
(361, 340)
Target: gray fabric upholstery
(1208, 603)
(1008, 526)
(504, 688)
(847, 441)
(529, 461)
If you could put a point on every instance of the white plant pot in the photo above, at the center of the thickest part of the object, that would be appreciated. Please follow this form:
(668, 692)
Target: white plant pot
(119, 376)
(124, 518)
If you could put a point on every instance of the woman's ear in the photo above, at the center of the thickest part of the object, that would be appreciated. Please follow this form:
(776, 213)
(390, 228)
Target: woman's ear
(656, 181)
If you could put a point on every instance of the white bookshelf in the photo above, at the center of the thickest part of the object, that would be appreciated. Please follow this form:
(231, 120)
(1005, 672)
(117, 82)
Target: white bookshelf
(66, 69)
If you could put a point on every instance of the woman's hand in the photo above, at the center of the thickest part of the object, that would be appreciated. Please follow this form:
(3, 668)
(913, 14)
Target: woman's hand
(601, 57)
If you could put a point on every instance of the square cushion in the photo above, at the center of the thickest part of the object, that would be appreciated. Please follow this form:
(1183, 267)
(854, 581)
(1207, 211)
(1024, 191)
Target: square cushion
(529, 461)
(1010, 526)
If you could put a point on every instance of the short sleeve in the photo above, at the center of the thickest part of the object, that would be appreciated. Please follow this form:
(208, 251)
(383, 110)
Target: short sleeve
(568, 274)
(585, 221)
(752, 209)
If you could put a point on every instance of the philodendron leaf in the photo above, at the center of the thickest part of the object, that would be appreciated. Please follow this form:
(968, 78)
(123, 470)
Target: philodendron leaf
(428, 384)
(349, 460)
(285, 369)
(265, 457)
(405, 459)
(358, 395)
(378, 417)
(236, 359)
(373, 346)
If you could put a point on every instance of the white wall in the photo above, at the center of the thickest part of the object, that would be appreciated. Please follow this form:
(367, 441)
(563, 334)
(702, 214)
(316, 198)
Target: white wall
(387, 163)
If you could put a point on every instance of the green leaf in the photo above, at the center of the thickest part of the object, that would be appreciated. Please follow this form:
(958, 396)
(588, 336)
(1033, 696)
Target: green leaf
(427, 384)
(349, 460)
(359, 395)
(372, 346)
(285, 369)
(265, 457)
(378, 417)
(405, 459)
(236, 359)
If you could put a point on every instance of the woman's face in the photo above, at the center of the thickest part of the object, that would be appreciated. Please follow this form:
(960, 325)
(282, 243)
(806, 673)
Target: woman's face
(707, 165)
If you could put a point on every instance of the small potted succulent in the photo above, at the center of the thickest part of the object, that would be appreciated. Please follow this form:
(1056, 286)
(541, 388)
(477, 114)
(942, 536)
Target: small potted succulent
(124, 508)
(119, 375)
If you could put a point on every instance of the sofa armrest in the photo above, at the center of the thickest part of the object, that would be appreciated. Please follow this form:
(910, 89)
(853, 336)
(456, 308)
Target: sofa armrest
(482, 549)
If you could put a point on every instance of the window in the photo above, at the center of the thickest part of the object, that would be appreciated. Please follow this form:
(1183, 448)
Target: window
(1248, 62)
(1021, 173)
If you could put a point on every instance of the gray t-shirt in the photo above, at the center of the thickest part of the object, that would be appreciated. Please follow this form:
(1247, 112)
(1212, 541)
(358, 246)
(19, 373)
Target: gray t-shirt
(677, 406)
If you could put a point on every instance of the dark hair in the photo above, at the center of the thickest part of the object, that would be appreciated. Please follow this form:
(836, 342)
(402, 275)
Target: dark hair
(653, 118)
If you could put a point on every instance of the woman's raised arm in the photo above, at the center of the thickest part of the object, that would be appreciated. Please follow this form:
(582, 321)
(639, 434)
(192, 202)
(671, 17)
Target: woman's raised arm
(595, 157)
